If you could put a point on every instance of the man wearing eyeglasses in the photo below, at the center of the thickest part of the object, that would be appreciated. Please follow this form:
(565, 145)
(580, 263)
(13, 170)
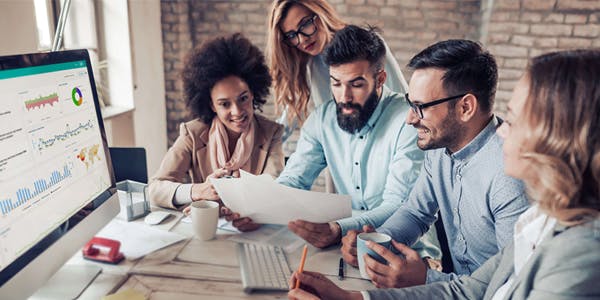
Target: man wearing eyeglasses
(361, 136)
(451, 94)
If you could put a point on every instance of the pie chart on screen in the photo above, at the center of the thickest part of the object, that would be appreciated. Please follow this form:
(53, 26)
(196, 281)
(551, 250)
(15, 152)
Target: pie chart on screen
(77, 96)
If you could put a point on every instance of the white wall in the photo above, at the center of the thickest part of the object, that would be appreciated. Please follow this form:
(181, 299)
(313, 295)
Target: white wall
(149, 116)
(146, 125)
(18, 33)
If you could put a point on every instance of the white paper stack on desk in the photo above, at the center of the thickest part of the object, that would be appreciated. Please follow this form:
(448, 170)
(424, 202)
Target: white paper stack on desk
(267, 202)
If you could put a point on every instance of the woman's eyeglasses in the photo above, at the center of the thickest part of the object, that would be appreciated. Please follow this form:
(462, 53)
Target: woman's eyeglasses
(307, 28)
(418, 108)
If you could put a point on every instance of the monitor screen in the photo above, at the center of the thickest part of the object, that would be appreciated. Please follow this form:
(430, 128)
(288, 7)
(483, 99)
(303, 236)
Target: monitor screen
(54, 165)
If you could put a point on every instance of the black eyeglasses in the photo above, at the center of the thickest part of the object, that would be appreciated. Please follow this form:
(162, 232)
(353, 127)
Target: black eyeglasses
(418, 108)
(307, 28)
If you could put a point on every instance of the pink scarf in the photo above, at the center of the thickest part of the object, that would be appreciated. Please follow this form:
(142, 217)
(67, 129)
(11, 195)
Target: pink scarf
(218, 147)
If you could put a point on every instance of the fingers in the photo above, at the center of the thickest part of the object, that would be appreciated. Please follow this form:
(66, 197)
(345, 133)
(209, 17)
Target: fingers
(349, 248)
(218, 173)
(318, 239)
(368, 228)
(310, 226)
(225, 211)
(385, 253)
(245, 224)
(408, 252)
(299, 294)
(187, 210)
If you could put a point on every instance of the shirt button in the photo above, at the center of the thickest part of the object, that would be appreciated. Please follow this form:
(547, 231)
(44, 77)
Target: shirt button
(356, 163)
(362, 208)
(358, 187)
(361, 137)
(456, 209)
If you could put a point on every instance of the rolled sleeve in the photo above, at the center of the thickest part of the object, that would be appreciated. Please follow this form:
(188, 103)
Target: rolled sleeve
(306, 163)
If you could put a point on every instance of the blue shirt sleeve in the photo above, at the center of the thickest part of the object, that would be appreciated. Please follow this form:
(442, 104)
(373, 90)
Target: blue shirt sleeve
(415, 217)
(307, 162)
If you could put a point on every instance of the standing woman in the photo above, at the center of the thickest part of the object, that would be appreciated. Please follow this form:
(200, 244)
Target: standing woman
(551, 142)
(225, 80)
(299, 30)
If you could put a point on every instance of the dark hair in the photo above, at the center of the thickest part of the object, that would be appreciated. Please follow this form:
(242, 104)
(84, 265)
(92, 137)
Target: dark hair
(217, 59)
(469, 69)
(354, 43)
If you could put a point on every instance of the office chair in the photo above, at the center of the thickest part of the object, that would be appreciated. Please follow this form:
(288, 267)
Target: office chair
(129, 163)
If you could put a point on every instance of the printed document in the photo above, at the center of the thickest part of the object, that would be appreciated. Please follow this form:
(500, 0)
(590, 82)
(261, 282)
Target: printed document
(267, 202)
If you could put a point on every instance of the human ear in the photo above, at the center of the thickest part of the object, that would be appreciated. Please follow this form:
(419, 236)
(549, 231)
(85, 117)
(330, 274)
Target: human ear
(381, 77)
(466, 107)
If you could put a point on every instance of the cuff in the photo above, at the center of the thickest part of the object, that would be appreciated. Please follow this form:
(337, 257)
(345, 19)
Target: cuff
(435, 276)
(348, 224)
(365, 295)
(183, 194)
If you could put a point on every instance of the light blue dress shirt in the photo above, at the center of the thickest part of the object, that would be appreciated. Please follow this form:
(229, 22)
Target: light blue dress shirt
(377, 166)
(478, 203)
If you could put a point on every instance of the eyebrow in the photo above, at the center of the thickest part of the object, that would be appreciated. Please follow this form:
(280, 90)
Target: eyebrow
(351, 81)
(298, 25)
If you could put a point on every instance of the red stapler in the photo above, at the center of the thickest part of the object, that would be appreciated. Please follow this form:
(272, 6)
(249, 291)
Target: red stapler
(93, 253)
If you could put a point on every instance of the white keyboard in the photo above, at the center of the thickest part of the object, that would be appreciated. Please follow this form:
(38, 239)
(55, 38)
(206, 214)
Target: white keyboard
(263, 267)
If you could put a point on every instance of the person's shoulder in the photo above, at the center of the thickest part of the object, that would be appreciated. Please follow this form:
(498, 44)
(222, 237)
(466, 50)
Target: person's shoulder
(194, 127)
(267, 124)
(576, 244)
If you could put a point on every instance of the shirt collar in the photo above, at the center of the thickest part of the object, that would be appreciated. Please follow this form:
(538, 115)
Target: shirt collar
(477, 143)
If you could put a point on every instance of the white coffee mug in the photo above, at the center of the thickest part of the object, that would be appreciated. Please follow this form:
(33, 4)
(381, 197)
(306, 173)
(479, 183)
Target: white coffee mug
(205, 215)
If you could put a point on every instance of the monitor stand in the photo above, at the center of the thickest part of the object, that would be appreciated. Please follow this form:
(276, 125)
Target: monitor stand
(68, 283)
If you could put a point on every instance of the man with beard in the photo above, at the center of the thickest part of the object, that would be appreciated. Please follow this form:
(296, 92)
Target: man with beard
(451, 94)
(361, 136)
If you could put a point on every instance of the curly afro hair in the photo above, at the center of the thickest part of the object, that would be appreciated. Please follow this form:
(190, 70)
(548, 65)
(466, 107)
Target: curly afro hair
(219, 58)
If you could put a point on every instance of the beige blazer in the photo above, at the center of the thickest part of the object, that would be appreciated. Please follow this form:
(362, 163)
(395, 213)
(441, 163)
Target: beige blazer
(189, 156)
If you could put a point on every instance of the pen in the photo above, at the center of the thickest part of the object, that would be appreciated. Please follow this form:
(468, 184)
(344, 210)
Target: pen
(341, 269)
(301, 266)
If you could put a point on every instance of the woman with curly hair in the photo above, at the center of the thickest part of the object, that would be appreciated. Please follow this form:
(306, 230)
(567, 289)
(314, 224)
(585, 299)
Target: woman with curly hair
(552, 143)
(225, 80)
(298, 32)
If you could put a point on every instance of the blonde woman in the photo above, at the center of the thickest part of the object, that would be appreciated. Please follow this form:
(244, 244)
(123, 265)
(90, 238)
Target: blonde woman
(552, 143)
(299, 30)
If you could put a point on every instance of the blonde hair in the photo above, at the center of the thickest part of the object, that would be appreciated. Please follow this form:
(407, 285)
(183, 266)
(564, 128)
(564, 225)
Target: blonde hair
(289, 65)
(562, 113)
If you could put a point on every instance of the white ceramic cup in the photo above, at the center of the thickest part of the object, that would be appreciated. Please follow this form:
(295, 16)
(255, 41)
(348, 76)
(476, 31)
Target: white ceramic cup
(205, 215)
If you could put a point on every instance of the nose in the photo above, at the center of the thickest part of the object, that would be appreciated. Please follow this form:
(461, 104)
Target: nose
(411, 117)
(302, 39)
(236, 109)
(346, 94)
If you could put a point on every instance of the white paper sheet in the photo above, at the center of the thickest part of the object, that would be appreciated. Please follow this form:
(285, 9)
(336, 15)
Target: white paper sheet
(267, 202)
(138, 239)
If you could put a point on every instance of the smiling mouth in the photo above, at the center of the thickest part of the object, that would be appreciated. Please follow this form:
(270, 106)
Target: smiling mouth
(239, 121)
(310, 46)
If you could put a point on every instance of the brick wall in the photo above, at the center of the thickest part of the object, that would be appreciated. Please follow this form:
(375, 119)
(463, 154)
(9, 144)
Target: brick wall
(519, 30)
(513, 30)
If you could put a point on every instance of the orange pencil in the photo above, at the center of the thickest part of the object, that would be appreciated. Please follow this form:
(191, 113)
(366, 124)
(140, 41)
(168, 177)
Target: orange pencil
(301, 266)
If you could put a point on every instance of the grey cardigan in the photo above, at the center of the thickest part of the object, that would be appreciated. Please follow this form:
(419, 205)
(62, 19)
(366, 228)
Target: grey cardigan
(566, 265)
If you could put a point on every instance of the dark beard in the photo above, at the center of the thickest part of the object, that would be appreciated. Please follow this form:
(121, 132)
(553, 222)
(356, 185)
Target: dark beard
(448, 136)
(356, 121)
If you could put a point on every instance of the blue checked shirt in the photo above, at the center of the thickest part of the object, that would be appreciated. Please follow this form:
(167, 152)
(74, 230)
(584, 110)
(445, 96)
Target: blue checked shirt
(478, 203)
(376, 166)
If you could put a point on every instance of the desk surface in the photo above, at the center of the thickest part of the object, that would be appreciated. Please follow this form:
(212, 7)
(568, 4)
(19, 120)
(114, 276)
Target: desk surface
(193, 269)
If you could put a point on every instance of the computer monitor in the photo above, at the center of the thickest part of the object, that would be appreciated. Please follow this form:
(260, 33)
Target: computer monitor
(57, 187)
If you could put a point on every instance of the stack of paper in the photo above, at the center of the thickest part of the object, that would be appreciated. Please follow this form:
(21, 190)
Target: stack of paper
(138, 239)
(267, 202)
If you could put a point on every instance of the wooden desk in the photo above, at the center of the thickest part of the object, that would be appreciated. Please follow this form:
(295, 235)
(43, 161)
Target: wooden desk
(193, 269)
